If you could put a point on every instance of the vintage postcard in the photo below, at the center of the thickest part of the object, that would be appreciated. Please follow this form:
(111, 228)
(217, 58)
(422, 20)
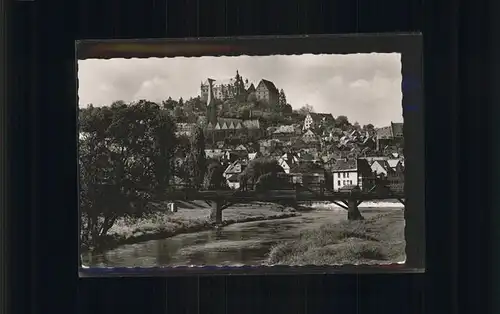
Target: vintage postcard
(251, 154)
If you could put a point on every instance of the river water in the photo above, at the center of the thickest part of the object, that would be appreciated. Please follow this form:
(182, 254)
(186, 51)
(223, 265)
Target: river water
(237, 244)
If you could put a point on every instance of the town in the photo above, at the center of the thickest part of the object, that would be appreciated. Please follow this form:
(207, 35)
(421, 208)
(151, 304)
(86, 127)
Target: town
(242, 121)
(154, 170)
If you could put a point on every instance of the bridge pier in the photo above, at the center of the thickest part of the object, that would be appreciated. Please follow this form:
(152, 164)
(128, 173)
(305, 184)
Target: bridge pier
(216, 212)
(353, 212)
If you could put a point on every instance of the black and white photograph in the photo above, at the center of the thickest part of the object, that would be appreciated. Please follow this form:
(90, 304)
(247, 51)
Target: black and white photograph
(247, 160)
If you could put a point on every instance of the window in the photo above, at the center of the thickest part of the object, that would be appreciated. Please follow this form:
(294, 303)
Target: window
(338, 176)
(350, 182)
(348, 174)
(343, 174)
(338, 183)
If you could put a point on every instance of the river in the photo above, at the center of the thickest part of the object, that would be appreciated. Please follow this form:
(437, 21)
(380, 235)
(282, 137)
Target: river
(237, 244)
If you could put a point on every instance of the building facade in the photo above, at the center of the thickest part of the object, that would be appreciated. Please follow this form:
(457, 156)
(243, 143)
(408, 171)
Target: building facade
(185, 129)
(313, 120)
(237, 88)
(225, 127)
(267, 91)
(224, 90)
(389, 135)
(352, 172)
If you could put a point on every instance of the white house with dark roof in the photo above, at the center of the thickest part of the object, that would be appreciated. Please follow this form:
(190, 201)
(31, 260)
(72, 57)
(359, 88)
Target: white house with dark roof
(313, 119)
(348, 172)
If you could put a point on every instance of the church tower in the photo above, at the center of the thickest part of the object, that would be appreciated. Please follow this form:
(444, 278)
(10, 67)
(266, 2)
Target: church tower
(239, 87)
(211, 107)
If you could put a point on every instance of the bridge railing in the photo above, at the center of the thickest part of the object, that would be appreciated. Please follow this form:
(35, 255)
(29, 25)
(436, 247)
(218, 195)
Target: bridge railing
(315, 187)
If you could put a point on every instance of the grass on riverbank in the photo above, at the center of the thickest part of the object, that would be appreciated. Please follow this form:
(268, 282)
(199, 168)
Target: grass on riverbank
(163, 224)
(377, 240)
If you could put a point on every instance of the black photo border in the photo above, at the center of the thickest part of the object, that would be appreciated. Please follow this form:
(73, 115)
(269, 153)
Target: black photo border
(409, 45)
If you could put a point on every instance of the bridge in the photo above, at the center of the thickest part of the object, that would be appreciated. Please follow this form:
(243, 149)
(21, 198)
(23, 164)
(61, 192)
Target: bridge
(348, 200)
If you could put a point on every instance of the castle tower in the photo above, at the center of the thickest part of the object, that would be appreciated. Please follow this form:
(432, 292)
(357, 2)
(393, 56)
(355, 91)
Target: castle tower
(211, 107)
(239, 86)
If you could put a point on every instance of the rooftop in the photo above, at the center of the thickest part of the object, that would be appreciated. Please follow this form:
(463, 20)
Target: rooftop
(320, 116)
(307, 167)
(351, 164)
(285, 129)
(270, 85)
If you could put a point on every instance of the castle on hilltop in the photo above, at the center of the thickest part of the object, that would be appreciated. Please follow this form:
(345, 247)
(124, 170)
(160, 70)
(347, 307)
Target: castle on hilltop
(219, 128)
(237, 88)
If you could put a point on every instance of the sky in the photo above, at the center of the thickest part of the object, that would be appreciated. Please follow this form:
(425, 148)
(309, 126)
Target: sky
(364, 87)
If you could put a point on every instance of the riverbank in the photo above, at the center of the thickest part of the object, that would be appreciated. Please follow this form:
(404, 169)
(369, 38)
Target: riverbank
(376, 240)
(365, 204)
(190, 218)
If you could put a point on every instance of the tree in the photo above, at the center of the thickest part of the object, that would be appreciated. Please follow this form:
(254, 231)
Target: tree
(197, 162)
(179, 115)
(182, 155)
(287, 109)
(269, 181)
(282, 99)
(118, 103)
(214, 178)
(125, 154)
(276, 119)
(341, 122)
(368, 127)
(243, 180)
(198, 105)
(304, 110)
(252, 98)
(183, 146)
(260, 166)
(265, 182)
(224, 109)
(180, 103)
(328, 180)
(189, 112)
(169, 104)
(244, 113)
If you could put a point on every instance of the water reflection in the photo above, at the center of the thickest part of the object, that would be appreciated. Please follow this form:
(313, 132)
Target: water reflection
(219, 247)
(238, 244)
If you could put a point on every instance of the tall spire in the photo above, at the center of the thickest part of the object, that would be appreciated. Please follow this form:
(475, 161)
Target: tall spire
(210, 92)
(211, 109)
